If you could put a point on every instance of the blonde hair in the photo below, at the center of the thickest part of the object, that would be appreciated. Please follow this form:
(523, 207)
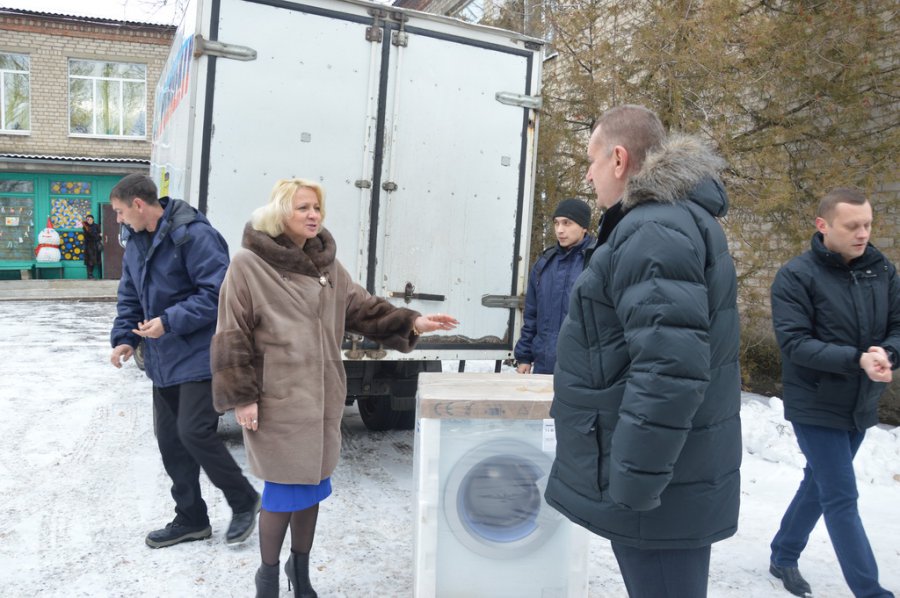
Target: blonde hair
(270, 217)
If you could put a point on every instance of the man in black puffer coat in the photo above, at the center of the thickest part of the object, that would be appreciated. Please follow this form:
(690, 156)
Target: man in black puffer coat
(647, 382)
(836, 313)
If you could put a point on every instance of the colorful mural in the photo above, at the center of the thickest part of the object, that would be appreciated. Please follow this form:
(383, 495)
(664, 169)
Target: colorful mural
(71, 245)
(70, 187)
(68, 212)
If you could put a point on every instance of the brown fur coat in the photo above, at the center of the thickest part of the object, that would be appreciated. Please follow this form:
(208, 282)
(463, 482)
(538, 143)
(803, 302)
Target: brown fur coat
(283, 310)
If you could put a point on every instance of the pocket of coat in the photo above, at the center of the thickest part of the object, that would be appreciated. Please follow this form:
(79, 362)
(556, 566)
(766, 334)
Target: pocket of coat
(278, 378)
(598, 380)
(832, 392)
(578, 452)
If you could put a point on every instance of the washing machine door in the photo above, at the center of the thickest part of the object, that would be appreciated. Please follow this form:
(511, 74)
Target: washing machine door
(494, 499)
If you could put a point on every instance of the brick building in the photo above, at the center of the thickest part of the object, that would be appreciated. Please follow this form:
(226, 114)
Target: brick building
(76, 110)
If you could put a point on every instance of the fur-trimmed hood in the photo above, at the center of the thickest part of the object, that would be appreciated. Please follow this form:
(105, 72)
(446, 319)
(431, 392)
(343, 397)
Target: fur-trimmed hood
(675, 171)
(313, 259)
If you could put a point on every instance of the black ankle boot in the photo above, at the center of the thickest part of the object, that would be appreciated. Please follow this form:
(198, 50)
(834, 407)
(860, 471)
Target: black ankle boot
(297, 569)
(267, 581)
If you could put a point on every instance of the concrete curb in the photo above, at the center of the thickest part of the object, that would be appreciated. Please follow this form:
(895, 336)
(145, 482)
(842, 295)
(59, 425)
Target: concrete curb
(58, 290)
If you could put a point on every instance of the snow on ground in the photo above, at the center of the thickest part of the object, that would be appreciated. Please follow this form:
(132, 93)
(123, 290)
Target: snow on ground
(81, 483)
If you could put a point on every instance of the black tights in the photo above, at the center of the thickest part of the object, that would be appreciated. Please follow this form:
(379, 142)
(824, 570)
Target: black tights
(273, 527)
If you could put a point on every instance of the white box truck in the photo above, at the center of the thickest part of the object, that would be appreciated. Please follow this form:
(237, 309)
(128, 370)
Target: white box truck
(422, 130)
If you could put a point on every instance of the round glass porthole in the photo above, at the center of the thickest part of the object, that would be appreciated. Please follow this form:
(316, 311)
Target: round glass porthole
(494, 501)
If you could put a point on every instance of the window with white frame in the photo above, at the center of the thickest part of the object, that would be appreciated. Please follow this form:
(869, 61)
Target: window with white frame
(107, 99)
(15, 93)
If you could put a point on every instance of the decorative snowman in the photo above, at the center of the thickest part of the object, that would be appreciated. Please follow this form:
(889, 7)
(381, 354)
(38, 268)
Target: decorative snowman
(48, 244)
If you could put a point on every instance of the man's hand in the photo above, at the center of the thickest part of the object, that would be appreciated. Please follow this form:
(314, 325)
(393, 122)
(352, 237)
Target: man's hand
(121, 354)
(524, 368)
(150, 328)
(877, 365)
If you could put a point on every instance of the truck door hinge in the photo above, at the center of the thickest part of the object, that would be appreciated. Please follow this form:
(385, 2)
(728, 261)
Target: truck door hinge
(519, 99)
(400, 38)
(503, 301)
(211, 48)
(363, 184)
(389, 186)
(375, 32)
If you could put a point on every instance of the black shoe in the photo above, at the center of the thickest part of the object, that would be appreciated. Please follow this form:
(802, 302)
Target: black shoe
(175, 533)
(792, 580)
(243, 523)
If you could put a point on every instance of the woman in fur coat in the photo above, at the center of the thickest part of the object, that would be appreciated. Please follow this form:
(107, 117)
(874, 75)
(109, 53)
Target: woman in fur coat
(276, 360)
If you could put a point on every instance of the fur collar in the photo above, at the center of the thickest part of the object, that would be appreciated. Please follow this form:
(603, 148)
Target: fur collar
(280, 252)
(670, 172)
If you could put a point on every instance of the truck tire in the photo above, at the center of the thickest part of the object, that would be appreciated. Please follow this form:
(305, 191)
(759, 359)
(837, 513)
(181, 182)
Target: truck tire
(376, 413)
(406, 420)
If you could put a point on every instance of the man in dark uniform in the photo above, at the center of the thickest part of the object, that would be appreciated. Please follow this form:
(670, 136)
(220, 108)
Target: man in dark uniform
(92, 245)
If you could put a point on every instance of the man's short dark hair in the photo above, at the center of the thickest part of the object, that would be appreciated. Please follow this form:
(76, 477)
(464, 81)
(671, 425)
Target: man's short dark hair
(635, 128)
(850, 195)
(135, 185)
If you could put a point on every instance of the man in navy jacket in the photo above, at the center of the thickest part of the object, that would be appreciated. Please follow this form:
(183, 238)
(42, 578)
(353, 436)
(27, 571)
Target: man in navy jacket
(836, 313)
(551, 279)
(168, 295)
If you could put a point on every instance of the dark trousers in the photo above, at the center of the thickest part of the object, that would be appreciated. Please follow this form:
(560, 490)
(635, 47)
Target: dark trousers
(186, 425)
(663, 573)
(90, 263)
(829, 488)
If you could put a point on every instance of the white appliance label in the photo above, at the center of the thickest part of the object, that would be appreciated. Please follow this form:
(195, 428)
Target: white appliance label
(548, 441)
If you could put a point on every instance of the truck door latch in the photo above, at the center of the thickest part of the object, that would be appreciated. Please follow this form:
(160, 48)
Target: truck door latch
(214, 48)
(503, 301)
(409, 293)
(519, 99)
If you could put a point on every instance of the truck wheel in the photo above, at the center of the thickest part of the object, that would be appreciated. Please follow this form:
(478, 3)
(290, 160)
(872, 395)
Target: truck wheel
(376, 413)
(406, 420)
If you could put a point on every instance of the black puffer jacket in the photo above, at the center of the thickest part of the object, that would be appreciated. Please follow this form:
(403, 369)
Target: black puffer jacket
(826, 313)
(647, 382)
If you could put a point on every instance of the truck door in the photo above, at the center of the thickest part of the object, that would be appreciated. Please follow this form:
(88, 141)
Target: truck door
(305, 107)
(454, 180)
(427, 175)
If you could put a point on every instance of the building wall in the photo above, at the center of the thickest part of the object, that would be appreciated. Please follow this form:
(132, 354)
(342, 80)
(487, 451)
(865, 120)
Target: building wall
(48, 175)
(51, 42)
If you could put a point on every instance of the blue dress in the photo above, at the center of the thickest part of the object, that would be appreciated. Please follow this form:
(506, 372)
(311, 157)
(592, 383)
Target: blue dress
(285, 498)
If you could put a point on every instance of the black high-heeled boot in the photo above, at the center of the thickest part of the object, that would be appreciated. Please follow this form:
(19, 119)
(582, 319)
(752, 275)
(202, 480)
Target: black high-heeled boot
(267, 581)
(297, 570)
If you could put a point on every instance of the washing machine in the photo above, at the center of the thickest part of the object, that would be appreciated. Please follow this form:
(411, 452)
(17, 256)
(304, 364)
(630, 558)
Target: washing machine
(484, 445)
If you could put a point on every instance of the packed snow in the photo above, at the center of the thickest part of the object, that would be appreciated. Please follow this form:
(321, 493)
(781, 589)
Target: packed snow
(81, 483)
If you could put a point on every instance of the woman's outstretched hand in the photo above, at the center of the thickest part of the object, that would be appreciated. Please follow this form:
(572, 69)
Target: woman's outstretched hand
(432, 322)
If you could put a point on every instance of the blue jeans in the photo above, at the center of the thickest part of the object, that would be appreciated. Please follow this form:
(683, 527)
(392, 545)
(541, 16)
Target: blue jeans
(829, 488)
(663, 573)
